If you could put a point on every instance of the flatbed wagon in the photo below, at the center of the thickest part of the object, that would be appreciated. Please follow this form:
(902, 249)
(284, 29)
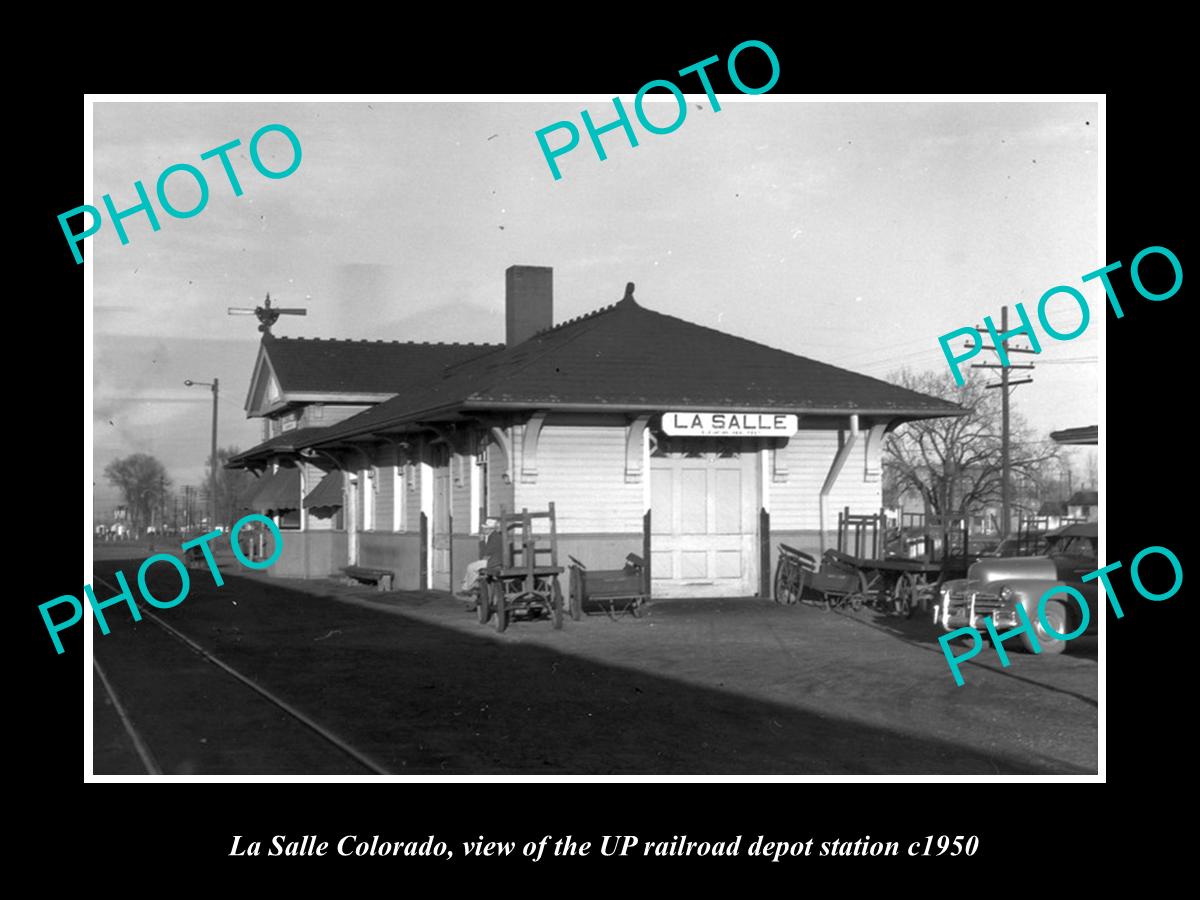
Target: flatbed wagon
(894, 585)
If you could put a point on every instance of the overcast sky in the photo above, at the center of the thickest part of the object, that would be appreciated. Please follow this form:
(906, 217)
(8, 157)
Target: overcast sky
(853, 233)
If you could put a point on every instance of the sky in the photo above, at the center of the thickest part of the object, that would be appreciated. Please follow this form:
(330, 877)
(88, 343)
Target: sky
(852, 233)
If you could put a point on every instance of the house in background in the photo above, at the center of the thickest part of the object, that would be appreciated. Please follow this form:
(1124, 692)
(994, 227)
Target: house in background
(1087, 435)
(601, 415)
(1050, 515)
(1084, 506)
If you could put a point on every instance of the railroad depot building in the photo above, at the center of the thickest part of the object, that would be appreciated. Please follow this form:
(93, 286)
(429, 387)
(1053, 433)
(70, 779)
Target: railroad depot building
(699, 450)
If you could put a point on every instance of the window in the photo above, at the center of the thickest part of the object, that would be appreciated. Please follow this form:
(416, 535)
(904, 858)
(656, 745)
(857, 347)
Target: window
(288, 520)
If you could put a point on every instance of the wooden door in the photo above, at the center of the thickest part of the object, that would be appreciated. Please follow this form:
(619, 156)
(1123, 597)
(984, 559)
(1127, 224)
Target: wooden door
(704, 523)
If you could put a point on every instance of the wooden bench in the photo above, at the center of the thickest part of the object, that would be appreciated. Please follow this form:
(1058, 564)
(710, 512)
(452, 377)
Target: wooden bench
(608, 590)
(383, 578)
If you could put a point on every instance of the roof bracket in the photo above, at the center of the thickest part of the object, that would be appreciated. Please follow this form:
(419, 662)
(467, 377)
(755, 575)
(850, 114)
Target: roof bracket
(403, 449)
(875, 451)
(309, 455)
(779, 462)
(634, 449)
(458, 441)
(835, 469)
(529, 447)
(500, 436)
(364, 450)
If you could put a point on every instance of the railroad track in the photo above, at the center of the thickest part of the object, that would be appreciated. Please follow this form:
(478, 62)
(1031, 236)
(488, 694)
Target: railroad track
(143, 750)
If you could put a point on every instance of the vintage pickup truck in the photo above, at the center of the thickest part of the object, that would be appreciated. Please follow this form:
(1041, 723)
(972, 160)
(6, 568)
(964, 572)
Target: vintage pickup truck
(994, 587)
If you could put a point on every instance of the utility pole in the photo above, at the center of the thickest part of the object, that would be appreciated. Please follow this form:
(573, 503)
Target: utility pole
(1005, 386)
(1005, 471)
(212, 478)
(216, 386)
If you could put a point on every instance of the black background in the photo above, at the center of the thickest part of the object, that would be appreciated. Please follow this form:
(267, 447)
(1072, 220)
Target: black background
(1149, 493)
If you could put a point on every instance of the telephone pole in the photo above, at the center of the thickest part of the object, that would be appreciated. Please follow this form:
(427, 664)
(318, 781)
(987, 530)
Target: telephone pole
(215, 384)
(1006, 385)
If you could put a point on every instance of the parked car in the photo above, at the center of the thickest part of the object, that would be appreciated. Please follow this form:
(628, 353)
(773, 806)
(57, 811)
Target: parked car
(994, 586)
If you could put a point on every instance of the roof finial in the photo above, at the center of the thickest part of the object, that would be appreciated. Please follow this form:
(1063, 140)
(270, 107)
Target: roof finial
(628, 291)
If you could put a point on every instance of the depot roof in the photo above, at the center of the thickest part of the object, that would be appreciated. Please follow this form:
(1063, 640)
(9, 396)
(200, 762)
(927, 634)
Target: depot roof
(286, 442)
(626, 357)
(291, 370)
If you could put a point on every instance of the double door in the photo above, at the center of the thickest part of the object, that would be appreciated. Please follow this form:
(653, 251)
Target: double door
(704, 522)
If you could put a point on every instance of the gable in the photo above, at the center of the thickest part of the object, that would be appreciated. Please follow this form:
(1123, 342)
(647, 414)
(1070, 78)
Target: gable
(265, 394)
(313, 370)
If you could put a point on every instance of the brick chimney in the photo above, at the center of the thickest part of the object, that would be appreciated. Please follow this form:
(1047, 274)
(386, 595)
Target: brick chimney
(528, 301)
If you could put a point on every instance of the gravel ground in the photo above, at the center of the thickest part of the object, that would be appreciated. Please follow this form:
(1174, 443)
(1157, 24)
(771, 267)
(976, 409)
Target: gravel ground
(412, 680)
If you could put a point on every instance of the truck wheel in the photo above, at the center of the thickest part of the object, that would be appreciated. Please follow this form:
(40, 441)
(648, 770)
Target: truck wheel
(1056, 615)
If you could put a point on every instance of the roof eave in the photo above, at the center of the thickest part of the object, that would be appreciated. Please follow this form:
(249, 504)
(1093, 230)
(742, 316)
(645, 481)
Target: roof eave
(413, 420)
(692, 407)
(337, 397)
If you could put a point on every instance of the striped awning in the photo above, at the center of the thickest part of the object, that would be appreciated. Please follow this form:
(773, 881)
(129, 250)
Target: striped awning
(278, 491)
(326, 494)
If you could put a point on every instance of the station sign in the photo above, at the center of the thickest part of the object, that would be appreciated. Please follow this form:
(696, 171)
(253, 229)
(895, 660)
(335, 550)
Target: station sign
(729, 424)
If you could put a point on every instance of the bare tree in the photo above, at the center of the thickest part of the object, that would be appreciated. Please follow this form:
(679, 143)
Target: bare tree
(954, 463)
(143, 483)
(233, 486)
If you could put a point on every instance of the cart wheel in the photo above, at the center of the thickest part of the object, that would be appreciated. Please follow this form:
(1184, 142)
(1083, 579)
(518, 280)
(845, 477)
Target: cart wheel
(482, 606)
(556, 598)
(785, 592)
(576, 595)
(904, 595)
(498, 603)
(863, 595)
